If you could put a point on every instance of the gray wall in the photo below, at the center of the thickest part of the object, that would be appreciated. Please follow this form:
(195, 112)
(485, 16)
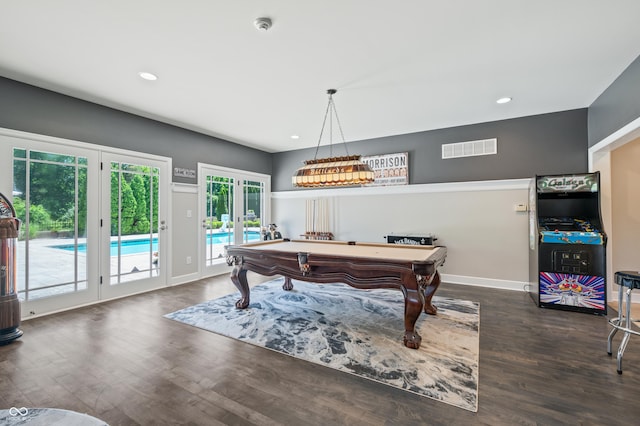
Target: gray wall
(543, 144)
(31, 109)
(617, 106)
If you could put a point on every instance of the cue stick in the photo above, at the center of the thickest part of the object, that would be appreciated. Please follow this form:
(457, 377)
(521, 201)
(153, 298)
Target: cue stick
(313, 223)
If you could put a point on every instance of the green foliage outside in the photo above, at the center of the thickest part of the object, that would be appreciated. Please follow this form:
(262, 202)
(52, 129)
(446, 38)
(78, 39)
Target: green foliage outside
(217, 224)
(220, 194)
(131, 202)
(52, 186)
(58, 183)
(222, 202)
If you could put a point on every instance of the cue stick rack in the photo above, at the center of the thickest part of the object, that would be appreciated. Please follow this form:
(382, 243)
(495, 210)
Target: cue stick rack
(317, 220)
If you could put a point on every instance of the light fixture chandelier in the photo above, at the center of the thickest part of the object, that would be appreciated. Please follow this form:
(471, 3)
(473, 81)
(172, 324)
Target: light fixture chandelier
(332, 171)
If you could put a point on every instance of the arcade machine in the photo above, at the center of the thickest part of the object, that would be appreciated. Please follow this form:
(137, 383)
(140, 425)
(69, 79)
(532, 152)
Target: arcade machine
(567, 243)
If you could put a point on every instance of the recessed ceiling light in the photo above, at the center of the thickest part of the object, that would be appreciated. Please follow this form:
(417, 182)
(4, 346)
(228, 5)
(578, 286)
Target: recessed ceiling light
(295, 137)
(148, 76)
(504, 100)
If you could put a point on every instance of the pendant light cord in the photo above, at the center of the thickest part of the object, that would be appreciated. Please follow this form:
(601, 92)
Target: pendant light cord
(331, 108)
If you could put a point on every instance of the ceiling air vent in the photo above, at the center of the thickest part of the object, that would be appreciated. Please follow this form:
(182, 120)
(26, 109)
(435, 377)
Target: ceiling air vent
(470, 149)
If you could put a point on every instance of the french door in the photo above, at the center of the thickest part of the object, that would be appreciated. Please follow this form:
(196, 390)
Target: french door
(93, 222)
(134, 224)
(57, 243)
(234, 209)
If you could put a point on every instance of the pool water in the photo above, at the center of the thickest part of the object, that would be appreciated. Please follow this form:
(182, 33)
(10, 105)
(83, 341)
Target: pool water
(145, 245)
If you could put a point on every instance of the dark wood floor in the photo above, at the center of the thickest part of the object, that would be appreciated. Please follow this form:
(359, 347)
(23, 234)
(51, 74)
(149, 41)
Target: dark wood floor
(123, 362)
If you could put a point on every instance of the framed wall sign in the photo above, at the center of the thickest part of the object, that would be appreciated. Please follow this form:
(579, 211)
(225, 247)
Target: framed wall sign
(389, 169)
(188, 173)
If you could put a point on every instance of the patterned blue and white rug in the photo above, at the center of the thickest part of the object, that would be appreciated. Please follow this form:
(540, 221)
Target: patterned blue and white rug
(358, 332)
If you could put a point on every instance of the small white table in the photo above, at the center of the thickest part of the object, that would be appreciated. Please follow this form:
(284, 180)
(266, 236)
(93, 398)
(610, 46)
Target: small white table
(47, 417)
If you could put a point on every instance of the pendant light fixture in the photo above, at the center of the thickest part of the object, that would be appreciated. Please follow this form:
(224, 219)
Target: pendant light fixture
(332, 171)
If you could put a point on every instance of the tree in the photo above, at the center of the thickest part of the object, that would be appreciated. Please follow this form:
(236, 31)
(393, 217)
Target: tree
(82, 202)
(221, 206)
(140, 223)
(53, 186)
(212, 203)
(54, 181)
(126, 204)
(151, 200)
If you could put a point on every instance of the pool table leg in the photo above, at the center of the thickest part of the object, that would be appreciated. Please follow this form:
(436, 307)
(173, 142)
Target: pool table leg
(239, 279)
(429, 291)
(288, 285)
(413, 303)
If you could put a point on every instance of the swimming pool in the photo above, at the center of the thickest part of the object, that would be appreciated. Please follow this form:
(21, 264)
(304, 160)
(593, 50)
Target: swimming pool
(145, 245)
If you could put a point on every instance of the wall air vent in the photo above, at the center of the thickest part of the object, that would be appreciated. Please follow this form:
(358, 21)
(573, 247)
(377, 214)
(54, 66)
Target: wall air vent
(470, 149)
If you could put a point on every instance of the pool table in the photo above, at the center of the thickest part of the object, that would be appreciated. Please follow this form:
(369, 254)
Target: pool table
(411, 269)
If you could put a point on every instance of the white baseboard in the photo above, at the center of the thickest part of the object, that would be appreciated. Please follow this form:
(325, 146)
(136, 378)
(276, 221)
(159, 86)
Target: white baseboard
(485, 282)
(183, 279)
(512, 285)
(635, 296)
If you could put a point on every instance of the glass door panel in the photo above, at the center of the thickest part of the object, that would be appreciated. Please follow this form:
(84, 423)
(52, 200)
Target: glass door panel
(135, 244)
(218, 224)
(253, 202)
(50, 195)
(234, 210)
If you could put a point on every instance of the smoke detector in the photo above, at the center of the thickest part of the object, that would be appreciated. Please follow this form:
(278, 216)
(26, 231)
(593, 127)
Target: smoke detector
(263, 24)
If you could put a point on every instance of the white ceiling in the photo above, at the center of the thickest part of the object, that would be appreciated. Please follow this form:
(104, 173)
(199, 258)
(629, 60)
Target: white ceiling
(399, 66)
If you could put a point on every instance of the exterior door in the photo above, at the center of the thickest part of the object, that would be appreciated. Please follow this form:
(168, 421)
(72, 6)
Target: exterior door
(134, 224)
(253, 210)
(57, 242)
(233, 210)
(93, 223)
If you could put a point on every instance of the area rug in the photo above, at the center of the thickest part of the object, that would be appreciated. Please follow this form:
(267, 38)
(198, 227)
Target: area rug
(358, 332)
